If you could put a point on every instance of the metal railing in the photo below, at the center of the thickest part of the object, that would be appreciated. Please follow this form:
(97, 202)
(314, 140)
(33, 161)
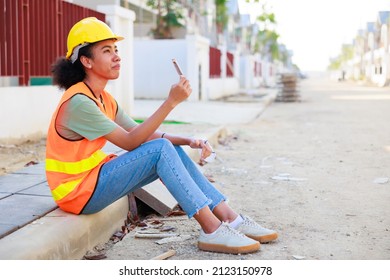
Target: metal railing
(33, 34)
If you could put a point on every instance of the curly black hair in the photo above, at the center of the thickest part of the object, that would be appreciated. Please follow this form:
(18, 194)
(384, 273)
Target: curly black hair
(65, 73)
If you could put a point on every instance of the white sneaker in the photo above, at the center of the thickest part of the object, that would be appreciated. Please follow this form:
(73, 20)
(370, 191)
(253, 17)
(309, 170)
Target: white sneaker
(253, 230)
(227, 240)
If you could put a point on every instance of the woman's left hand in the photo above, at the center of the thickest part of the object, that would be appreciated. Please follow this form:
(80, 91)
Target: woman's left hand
(207, 150)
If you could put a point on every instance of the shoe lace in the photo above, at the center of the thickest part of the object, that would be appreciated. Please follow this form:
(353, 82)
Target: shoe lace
(228, 231)
(249, 222)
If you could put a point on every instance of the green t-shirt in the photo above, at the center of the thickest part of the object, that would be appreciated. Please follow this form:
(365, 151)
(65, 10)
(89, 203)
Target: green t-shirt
(80, 117)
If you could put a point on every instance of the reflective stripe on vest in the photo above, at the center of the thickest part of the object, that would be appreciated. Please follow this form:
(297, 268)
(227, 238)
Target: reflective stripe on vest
(75, 167)
(64, 189)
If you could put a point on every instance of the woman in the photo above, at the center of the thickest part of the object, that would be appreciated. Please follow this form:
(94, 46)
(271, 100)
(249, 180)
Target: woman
(84, 180)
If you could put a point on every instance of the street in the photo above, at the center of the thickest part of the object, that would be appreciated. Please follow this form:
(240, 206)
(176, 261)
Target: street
(317, 171)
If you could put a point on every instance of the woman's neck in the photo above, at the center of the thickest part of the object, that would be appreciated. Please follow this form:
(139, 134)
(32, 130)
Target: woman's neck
(96, 86)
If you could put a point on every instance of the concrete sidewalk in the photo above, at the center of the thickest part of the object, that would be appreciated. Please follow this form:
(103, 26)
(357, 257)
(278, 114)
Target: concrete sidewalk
(31, 225)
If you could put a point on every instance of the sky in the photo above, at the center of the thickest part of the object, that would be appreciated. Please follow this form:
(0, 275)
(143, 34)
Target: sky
(315, 30)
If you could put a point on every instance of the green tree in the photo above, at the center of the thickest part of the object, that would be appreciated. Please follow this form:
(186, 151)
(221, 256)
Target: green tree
(267, 37)
(169, 15)
(267, 43)
(222, 16)
(346, 54)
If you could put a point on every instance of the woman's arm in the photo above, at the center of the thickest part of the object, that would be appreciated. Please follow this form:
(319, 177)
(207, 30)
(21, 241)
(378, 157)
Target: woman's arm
(181, 140)
(134, 137)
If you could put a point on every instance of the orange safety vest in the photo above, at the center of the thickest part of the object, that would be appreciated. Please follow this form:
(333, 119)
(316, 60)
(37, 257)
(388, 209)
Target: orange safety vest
(72, 167)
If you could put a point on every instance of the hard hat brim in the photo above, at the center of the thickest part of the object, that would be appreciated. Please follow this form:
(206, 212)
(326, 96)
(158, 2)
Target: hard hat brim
(117, 38)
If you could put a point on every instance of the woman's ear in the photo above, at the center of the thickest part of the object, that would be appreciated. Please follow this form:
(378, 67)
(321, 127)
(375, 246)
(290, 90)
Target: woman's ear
(85, 61)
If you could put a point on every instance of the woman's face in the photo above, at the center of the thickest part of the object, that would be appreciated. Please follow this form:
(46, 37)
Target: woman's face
(106, 61)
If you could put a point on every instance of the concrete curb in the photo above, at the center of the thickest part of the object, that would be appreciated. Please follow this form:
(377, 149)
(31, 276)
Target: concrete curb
(61, 235)
(64, 236)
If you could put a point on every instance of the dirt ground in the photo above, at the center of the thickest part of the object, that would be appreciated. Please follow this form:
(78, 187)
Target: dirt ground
(316, 171)
(14, 157)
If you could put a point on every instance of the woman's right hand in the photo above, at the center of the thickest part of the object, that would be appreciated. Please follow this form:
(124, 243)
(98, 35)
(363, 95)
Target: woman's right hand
(179, 92)
(131, 139)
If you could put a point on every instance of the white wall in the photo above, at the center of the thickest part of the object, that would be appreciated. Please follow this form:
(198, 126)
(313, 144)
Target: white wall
(198, 49)
(26, 112)
(247, 77)
(154, 73)
(248, 80)
(218, 88)
(269, 73)
(153, 69)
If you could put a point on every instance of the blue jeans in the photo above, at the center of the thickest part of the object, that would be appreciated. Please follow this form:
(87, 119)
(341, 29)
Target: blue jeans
(156, 159)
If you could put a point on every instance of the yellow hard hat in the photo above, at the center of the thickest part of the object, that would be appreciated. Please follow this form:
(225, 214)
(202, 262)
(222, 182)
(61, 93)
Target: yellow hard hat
(88, 30)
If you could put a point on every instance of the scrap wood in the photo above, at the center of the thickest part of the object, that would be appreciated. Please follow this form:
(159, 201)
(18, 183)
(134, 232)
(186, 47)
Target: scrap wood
(117, 236)
(97, 253)
(148, 231)
(176, 212)
(132, 215)
(32, 162)
(165, 255)
(173, 239)
(154, 235)
(96, 256)
(156, 222)
(168, 228)
(131, 222)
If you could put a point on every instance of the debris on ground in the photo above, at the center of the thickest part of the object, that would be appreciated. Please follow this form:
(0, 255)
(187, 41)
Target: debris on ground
(31, 162)
(178, 238)
(151, 227)
(14, 157)
(151, 235)
(286, 177)
(296, 257)
(97, 253)
(381, 180)
(165, 255)
(288, 91)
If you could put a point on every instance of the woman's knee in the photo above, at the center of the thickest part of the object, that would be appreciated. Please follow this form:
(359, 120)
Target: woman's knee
(164, 143)
(158, 143)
